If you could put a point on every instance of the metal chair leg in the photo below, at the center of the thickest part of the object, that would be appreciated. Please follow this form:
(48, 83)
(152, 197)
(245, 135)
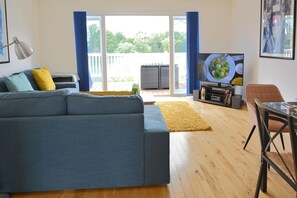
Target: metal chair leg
(259, 181)
(282, 139)
(249, 137)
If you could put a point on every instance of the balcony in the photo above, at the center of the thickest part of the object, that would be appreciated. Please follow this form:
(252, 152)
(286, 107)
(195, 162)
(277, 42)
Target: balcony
(123, 69)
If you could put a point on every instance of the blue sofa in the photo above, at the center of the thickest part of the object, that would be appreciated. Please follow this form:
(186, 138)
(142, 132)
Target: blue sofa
(72, 87)
(54, 140)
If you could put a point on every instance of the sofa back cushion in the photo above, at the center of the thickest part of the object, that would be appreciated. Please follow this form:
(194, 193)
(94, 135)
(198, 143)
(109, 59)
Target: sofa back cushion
(87, 104)
(36, 103)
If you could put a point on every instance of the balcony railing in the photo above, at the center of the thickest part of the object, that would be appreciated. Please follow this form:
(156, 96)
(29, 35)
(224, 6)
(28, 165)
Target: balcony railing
(128, 64)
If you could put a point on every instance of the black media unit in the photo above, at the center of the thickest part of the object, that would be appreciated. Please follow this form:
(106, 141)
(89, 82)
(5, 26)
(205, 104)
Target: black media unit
(219, 95)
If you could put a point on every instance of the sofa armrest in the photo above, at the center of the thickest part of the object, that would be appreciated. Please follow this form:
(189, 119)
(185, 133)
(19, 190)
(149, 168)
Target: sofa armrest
(65, 77)
(72, 87)
(157, 147)
(62, 85)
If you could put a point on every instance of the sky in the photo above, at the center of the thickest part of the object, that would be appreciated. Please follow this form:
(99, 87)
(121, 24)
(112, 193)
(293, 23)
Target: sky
(131, 25)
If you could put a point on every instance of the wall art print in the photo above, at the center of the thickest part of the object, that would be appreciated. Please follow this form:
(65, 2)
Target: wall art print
(4, 52)
(277, 29)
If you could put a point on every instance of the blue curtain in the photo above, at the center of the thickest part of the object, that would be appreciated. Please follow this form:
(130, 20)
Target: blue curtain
(192, 51)
(81, 44)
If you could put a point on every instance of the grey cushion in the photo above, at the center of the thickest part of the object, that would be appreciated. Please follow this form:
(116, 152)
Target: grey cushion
(3, 87)
(37, 103)
(93, 104)
(31, 79)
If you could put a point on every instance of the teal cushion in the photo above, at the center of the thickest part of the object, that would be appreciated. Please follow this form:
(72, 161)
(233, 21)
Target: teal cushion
(18, 82)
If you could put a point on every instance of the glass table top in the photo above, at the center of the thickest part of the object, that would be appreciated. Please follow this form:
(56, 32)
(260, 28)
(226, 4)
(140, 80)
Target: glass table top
(282, 107)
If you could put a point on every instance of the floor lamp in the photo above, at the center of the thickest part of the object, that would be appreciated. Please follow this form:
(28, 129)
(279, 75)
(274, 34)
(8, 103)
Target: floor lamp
(22, 50)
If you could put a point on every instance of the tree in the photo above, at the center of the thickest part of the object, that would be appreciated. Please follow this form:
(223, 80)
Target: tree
(158, 42)
(125, 47)
(94, 39)
(113, 41)
(141, 43)
(180, 43)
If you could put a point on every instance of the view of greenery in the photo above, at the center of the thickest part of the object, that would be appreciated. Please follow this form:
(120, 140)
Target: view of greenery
(142, 42)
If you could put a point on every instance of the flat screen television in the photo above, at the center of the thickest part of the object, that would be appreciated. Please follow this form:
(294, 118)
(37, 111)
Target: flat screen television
(221, 68)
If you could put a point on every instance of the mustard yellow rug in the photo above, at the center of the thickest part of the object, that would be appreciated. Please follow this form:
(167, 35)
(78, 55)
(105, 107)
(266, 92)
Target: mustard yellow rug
(180, 116)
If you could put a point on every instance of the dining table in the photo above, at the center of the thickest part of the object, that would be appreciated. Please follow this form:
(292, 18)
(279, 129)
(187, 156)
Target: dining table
(283, 110)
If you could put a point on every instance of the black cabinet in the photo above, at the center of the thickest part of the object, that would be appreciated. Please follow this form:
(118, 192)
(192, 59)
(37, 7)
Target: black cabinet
(218, 95)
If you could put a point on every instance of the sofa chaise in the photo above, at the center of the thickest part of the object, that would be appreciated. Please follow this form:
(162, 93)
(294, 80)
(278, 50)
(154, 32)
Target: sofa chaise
(53, 140)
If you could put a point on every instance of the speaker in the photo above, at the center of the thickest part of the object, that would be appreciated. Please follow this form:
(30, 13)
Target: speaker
(195, 95)
(236, 101)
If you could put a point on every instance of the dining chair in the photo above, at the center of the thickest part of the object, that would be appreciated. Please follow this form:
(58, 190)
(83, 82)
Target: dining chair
(283, 162)
(264, 93)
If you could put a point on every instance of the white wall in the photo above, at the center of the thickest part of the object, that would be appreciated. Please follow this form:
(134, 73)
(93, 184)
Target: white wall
(246, 37)
(22, 20)
(57, 30)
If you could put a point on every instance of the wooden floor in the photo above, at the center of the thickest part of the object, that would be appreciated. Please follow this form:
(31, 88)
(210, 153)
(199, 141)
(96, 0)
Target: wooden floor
(203, 164)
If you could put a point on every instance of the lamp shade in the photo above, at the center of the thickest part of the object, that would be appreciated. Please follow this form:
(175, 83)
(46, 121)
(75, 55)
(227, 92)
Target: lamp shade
(22, 50)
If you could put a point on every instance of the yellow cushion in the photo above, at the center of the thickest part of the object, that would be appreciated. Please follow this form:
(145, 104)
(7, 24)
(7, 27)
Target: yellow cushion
(44, 79)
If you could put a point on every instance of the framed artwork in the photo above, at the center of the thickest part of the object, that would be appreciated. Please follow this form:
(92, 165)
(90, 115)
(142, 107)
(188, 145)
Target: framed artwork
(4, 52)
(278, 29)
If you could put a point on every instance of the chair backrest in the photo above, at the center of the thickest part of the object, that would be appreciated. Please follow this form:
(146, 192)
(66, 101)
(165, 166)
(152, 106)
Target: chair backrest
(263, 113)
(264, 93)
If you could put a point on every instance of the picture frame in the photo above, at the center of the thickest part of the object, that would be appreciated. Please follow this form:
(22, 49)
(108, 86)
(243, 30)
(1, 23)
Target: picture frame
(277, 32)
(4, 52)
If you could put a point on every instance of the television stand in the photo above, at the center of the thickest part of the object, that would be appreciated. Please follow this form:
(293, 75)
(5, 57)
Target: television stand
(219, 95)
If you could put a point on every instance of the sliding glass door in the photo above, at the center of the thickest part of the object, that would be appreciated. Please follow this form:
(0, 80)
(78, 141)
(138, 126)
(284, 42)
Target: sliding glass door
(119, 46)
(180, 55)
(133, 41)
(95, 60)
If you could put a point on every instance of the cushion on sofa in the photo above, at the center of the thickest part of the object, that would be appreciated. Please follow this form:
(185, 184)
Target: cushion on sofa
(3, 87)
(37, 103)
(31, 79)
(17, 82)
(43, 79)
(93, 104)
(29, 75)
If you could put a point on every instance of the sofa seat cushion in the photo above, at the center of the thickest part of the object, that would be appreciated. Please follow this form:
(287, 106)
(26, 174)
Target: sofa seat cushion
(37, 103)
(87, 104)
